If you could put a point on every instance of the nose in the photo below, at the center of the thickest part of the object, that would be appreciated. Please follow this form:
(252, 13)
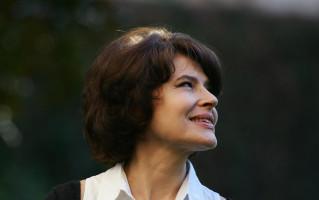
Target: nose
(207, 99)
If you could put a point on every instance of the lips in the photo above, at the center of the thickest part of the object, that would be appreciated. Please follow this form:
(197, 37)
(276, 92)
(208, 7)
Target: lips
(204, 119)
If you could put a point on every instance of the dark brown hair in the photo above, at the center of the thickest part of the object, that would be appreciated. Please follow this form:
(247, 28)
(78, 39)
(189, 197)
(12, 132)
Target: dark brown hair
(117, 93)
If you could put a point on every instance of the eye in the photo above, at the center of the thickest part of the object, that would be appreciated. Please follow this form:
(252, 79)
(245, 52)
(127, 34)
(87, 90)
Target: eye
(186, 84)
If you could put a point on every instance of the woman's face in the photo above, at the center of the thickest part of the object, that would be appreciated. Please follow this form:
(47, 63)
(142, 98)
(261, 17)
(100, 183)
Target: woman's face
(185, 115)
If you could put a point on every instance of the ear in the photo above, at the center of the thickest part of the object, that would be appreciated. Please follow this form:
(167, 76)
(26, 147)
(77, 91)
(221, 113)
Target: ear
(157, 93)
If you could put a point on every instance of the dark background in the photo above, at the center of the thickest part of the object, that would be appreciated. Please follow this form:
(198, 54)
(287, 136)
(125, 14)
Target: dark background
(268, 115)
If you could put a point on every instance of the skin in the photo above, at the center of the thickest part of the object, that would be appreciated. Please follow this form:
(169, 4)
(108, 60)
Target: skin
(82, 183)
(160, 158)
(184, 96)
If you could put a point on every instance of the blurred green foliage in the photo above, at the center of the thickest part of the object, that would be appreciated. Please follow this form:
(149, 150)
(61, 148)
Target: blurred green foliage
(268, 127)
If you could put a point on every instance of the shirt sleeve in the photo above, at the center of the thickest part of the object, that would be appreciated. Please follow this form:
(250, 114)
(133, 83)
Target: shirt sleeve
(67, 191)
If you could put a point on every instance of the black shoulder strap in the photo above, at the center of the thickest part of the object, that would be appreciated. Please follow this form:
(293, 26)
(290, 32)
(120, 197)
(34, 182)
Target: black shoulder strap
(67, 191)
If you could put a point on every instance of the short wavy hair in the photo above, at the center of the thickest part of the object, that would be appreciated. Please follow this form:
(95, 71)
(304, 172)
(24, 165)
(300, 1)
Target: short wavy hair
(117, 95)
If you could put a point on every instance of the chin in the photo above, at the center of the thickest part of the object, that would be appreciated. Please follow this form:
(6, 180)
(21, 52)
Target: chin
(210, 142)
(210, 146)
(206, 145)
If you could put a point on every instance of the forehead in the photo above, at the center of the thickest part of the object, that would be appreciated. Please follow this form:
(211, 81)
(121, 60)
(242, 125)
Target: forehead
(186, 66)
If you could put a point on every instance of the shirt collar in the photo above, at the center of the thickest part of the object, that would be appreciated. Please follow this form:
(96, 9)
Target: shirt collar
(191, 187)
(116, 181)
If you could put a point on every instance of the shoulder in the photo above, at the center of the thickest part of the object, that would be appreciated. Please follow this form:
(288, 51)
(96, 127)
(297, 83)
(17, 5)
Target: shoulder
(82, 187)
(67, 191)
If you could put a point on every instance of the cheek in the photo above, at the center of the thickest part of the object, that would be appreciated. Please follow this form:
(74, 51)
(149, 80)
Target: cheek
(175, 106)
(168, 113)
(185, 104)
(215, 113)
(172, 108)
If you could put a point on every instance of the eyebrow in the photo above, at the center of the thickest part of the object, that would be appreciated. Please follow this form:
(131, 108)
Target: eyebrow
(193, 79)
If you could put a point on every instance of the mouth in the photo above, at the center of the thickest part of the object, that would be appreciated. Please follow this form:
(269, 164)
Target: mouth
(201, 120)
(206, 120)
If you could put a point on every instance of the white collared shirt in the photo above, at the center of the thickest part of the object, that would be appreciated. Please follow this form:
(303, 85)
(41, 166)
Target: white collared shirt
(113, 185)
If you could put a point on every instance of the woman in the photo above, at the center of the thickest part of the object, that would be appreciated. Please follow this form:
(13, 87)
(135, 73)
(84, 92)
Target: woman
(149, 103)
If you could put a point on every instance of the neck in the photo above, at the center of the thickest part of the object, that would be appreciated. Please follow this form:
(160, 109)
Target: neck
(156, 172)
